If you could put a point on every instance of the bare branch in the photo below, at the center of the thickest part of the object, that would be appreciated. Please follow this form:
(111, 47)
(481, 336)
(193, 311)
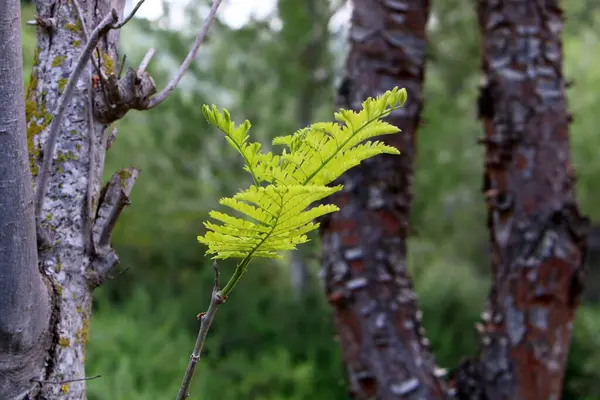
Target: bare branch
(45, 23)
(114, 198)
(86, 36)
(110, 138)
(66, 381)
(207, 319)
(42, 182)
(82, 20)
(92, 137)
(114, 98)
(131, 14)
(146, 61)
(121, 65)
(116, 95)
(159, 98)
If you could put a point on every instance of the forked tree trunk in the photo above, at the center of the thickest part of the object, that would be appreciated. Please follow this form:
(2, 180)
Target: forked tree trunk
(364, 244)
(537, 233)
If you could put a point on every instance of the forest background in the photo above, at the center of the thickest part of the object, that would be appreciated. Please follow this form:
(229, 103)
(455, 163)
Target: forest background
(275, 339)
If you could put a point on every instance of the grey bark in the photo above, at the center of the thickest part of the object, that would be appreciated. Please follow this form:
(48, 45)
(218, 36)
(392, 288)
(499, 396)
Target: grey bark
(46, 297)
(24, 297)
(72, 259)
(46, 284)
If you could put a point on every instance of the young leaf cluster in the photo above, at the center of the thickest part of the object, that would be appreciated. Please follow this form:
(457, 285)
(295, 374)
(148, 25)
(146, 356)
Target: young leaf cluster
(275, 213)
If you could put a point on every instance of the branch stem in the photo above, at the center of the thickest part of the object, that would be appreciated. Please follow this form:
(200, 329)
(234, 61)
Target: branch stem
(235, 278)
(131, 14)
(145, 61)
(218, 298)
(207, 320)
(159, 98)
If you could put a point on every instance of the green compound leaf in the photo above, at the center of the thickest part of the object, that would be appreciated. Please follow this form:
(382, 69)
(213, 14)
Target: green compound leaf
(276, 208)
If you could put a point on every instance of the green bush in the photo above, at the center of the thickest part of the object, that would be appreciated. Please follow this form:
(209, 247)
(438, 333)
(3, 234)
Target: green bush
(141, 344)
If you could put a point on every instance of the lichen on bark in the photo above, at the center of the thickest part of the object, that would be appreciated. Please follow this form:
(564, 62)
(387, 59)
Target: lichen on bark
(68, 258)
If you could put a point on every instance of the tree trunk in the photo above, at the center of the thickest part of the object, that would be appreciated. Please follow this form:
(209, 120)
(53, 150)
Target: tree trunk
(24, 297)
(537, 234)
(67, 110)
(74, 225)
(364, 245)
(72, 260)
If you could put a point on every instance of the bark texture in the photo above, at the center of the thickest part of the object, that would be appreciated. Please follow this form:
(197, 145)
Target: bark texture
(74, 254)
(24, 297)
(364, 244)
(537, 234)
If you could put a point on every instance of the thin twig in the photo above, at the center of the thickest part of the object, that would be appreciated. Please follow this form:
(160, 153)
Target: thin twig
(122, 66)
(110, 137)
(114, 198)
(84, 28)
(118, 274)
(66, 381)
(45, 23)
(86, 35)
(131, 14)
(87, 222)
(159, 98)
(42, 182)
(92, 156)
(145, 61)
(207, 320)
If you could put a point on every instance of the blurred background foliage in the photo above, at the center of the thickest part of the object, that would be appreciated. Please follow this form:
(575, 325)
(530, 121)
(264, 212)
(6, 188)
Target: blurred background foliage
(274, 339)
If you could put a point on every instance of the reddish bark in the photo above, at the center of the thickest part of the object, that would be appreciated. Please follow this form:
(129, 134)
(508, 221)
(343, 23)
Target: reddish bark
(364, 245)
(537, 233)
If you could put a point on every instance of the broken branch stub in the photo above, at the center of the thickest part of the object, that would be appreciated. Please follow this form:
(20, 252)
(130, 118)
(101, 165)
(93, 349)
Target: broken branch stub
(113, 199)
(113, 98)
(133, 91)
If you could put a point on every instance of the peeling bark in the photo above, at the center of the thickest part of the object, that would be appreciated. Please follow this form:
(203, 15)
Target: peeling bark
(537, 234)
(24, 297)
(364, 244)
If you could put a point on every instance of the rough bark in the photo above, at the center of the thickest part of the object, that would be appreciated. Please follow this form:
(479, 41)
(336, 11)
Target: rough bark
(58, 136)
(71, 255)
(24, 297)
(364, 244)
(537, 234)
(66, 115)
